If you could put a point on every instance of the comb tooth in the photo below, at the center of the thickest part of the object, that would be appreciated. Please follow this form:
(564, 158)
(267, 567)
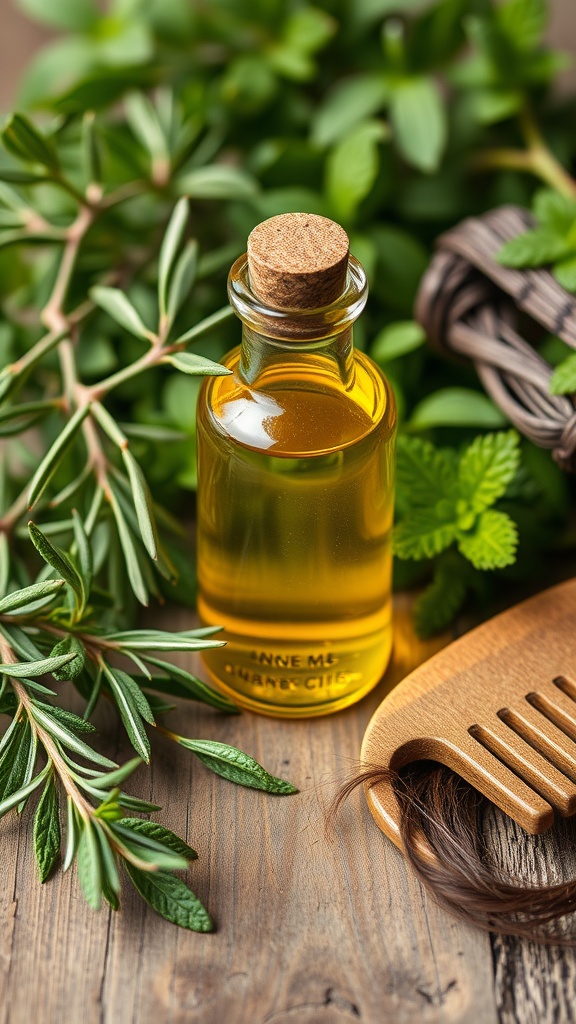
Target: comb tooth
(476, 763)
(556, 706)
(566, 685)
(530, 765)
(543, 736)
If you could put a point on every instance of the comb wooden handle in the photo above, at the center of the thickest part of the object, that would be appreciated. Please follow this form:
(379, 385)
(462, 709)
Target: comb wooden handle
(498, 706)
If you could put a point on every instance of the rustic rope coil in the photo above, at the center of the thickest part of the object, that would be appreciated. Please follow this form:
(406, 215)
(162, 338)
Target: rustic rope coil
(469, 304)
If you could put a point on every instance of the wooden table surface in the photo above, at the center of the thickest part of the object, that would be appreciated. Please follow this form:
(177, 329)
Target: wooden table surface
(310, 929)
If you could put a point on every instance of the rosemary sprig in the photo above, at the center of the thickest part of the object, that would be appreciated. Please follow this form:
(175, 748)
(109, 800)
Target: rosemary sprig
(51, 627)
(112, 542)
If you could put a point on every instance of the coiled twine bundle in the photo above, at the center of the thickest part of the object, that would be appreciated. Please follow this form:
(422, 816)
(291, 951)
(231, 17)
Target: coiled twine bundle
(469, 305)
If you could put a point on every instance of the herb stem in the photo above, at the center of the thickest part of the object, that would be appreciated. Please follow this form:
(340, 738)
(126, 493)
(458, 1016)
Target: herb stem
(537, 159)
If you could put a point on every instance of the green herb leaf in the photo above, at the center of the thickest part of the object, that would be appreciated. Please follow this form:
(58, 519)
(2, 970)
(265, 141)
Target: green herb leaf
(534, 249)
(35, 668)
(563, 380)
(133, 566)
(349, 102)
(206, 325)
(119, 307)
(183, 278)
(57, 559)
(90, 148)
(66, 717)
(90, 866)
(425, 532)
(424, 474)
(456, 407)
(195, 365)
(397, 340)
(55, 454)
(119, 775)
(492, 544)
(145, 123)
(84, 551)
(220, 181)
(138, 697)
(236, 766)
(487, 467)
(110, 878)
(62, 733)
(181, 683)
(352, 168)
(19, 598)
(72, 668)
(441, 600)
(47, 830)
(21, 138)
(16, 759)
(130, 713)
(142, 502)
(554, 211)
(72, 835)
(22, 794)
(169, 250)
(418, 122)
(161, 835)
(171, 898)
(523, 21)
(565, 273)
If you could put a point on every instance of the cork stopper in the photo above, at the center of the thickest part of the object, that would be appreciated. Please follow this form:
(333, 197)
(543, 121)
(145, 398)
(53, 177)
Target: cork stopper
(298, 261)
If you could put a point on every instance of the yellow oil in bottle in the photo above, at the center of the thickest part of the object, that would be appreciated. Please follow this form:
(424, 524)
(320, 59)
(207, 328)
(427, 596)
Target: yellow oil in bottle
(295, 505)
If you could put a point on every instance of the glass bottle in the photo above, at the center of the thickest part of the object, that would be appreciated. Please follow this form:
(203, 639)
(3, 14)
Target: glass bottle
(295, 483)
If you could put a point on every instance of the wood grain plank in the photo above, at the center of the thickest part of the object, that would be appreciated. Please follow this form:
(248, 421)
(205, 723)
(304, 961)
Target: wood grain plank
(311, 929)
(534, 984)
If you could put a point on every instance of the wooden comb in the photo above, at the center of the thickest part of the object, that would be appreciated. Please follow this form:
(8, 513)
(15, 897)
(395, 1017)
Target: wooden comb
(498, 706)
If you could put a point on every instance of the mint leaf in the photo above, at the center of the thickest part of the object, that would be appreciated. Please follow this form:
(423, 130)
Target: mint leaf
(554, 211)
(487, 467)
(534, 248)
(523, 21)
(456, 407)
(425, 532)
(350, 101)
(565, 273)
(424, 474)
(563, 380)
(492, 545)
(397, 340)
(438, 604)
(419, 122)
(352, 168)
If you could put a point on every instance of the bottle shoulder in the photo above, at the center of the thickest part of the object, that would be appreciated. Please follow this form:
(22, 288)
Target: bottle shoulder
(297, 412)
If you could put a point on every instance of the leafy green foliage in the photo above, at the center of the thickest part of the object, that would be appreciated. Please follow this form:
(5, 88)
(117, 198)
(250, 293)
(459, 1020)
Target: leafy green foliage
(99, 836)
(447, 501)
(553, 241)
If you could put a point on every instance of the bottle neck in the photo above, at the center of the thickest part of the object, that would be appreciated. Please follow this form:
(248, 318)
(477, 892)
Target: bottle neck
(297, 343)
(261, 355)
